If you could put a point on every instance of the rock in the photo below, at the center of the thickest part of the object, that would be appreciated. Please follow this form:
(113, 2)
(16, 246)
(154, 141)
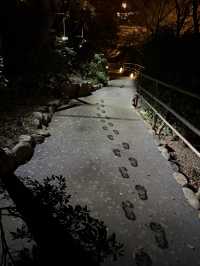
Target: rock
(198, 194)
(7, 162)
(38, 115)
(175, 166)
(165, 154)
(26, 138)
(95, 87)
(180, 178)
(54, 103)
(191, 198)
(23, 152)
(37, 123)
(46, 119)
(161, 148)
(7, 151)
(43, 109)
(39, 139)
(43, 133)
(157, 140)
(52, 110)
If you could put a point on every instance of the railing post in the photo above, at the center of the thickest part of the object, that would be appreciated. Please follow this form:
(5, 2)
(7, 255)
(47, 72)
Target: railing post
(155, 120)
(135, 101)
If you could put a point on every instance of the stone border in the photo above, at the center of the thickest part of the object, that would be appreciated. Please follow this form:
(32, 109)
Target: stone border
(191, 197)
(23, 151)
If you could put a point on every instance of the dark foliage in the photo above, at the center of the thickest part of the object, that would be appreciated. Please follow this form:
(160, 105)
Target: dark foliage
(87, 239)
(174, 59)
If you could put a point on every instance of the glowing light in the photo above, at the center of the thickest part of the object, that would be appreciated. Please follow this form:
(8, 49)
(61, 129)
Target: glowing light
(65, 38)
(124, 5)
(132, 76)
(121, 70)
(107, 67)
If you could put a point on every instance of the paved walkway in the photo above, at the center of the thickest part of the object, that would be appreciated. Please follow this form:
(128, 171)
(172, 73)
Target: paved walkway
(112, 164)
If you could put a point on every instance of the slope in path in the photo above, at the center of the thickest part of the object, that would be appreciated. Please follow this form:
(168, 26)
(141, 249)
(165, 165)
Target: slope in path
(111, 164)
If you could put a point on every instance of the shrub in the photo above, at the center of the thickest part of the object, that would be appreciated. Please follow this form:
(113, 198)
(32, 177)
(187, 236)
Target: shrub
(96, 70)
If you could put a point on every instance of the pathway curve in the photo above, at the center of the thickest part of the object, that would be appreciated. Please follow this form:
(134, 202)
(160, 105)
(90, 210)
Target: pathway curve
(111, 163)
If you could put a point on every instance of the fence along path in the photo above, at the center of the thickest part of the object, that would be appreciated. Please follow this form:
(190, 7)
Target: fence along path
(137, 69)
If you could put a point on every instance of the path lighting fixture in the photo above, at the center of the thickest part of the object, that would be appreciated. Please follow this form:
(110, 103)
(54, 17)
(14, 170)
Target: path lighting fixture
(121, 70)
(107, 67)
(132, 76)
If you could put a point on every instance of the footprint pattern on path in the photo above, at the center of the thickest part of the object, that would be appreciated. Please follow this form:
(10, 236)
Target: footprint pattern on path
(126, 146)
(160, 235)
(124, 172)
(128, 209)
(142, 192)
(103, 111)
(102, 101)
(117, 152)
(103, 121)
(133, 162)
(98, 108)
(116, 132)
(142, 258)
(105, 128)
(98, 114)
(102, 105)
(111, 124)
(110, 137)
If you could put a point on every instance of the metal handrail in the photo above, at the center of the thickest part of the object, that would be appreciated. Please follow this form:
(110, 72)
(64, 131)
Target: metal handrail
(171, 86)
(187, 143)
(184, 121)
(174, 113)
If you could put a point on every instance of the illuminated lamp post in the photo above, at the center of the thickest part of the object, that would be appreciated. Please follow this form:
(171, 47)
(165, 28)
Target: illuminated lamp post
(64, 37)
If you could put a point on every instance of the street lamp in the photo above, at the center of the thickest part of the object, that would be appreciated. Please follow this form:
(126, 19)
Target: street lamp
(124, 5)
(64, 37)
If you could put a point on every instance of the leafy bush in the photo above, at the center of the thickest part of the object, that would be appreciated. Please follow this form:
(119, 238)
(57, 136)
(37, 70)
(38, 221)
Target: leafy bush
(91, 233)
(96, 70)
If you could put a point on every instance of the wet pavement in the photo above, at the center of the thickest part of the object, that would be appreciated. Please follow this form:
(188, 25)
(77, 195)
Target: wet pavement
(110, 161)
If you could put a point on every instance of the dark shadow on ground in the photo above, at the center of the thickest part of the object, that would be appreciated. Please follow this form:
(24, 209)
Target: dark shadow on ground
(64, 235)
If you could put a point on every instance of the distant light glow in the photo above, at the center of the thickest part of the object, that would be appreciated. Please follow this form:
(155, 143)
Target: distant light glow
(132, 76)
(107, 67)
(124, 5)
(121, 70)
(65, 38)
